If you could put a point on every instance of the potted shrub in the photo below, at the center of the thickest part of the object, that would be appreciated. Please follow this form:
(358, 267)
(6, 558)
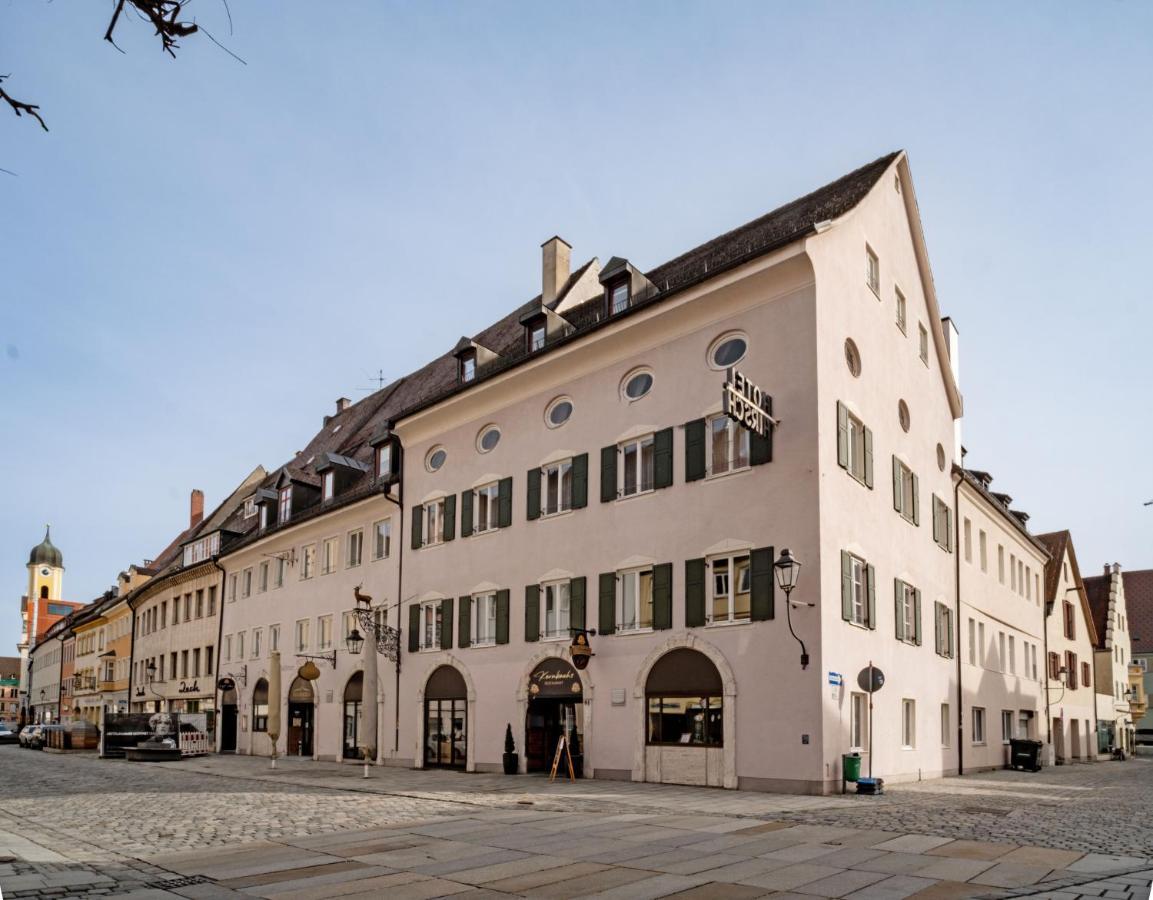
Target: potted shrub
(510, 757)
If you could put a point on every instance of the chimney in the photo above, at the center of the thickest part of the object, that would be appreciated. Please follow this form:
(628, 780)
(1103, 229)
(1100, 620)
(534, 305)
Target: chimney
(342, 403)
(196, 509)
(556, 259)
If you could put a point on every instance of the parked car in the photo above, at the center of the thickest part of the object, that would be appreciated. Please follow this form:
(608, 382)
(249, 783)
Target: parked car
(8, 737)
(31, 736)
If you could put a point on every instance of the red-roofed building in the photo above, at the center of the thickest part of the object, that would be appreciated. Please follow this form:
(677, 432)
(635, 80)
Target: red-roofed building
(1139, 597)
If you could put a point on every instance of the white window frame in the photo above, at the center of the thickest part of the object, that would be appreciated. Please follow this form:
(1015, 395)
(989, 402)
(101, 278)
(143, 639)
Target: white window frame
(537, 335)
(556, 488)
(327, 486)
(733, 576)
(855, 446)
(638, 445)
(1007, 718)
(324, 632)
(383, 461)
(923, 333)
(983, 548)
(330, 553)
(273, 638)
(902, 311)
(736, 443)
(859, 589)
(979, 725)
(284, 505)
(556, 603)
(908, 724)
(490, 493)
(381, 539)
(307, 561)
(873, 271)
(354, 548)
(257, 640)
(281, 568)
(262, 580)
(858, 721)
(908, 613)
(301, 634)
(433, 531)
(629, 582)
(908, 492)
(430, 618)
(483, 619)
(239, 648)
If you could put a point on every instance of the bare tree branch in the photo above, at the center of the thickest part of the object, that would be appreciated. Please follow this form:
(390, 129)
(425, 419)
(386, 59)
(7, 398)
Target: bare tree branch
(20, 108)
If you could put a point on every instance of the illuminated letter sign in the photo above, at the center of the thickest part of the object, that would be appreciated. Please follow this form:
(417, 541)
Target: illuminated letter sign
(746, 404)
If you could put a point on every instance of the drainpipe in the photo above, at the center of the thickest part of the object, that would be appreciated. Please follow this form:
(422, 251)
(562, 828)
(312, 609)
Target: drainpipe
(1048, 704)
(219, 638)
(957, 593)
(399, 501)
(131, 656)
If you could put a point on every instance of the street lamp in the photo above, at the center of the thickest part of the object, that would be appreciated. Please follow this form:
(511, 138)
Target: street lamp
(151, 670)
(354, 641)
(787, 568)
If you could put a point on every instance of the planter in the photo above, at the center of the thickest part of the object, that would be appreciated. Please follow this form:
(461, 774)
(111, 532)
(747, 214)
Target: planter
(511, 763)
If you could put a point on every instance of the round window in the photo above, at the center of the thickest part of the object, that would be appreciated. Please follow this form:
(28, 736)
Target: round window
(941, 458)
(636, 386)
(488, 439)
(558, 412)
(728, 350)
(435, 459)
(903, 414)
(852, 357)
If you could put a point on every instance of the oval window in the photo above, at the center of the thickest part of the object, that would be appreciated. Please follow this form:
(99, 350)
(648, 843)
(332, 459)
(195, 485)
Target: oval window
(941, 458)
(728, 351)
(852, 358)
(903, 414)
(558, 412)
(636, 386)
(488, 439)
(436, 458)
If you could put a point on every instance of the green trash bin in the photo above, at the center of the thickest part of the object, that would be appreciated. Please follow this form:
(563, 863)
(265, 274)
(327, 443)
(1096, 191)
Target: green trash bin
(851, 767)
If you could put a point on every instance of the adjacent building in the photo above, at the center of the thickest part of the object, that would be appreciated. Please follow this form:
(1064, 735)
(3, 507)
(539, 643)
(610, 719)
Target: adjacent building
(1111, 658)
(1139, 599)
(10, 692)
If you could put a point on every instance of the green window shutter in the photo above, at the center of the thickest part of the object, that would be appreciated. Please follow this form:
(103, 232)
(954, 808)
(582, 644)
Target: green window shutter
(608, 474)
(846, 587)
(450, 517)
(936, 521)
(761, 602)
(663, 458)
(607, 607)
(949, 528)
(446, 623)
(917, 617)
(842, 436)
(916, 501)
(869, 457)
(938, 624)
(532, 494)
(662, 596)
(695, 448)
(417, 527)
(694, 593)
(871, 576)
(761, 448)
(502, 617)
(532, 612)
(466, 513)
(898, 609)
(413, 628)
(580, 481)
(464, 632)
(503, 503)
(948, 632)
(577, 591)
(897, 485)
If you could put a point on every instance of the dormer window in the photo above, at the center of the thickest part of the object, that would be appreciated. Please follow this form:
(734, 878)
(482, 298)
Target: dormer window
(327, 485)
(467, 368)
(249, 507)
(383, 461)
(618, 292)
(263, 516)
(536, 336)
(285, 503)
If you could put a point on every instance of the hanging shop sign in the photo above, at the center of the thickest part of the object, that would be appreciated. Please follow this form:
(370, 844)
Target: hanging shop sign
(580, 651)
(554, 678)
(309, 671)
(226, 684)
(746, 404)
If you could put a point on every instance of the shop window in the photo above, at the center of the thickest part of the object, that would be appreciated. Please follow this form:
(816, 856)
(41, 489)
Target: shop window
(684, 701)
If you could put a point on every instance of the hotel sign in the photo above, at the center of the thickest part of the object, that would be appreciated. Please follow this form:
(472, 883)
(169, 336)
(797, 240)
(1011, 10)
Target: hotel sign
(746, 404)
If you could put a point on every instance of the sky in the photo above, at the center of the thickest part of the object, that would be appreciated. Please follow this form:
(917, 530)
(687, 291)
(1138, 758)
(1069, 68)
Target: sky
(201, 255)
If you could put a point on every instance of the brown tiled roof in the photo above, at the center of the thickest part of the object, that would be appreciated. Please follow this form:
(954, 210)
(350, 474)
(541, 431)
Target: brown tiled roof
(9, 666)
(1060, 543)
(980, 486)
(1139, 608)
(1097, 591)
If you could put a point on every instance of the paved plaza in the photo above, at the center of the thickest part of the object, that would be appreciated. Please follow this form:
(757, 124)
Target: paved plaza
(76, 826)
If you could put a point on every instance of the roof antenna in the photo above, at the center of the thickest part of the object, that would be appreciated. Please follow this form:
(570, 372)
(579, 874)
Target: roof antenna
(378, 378)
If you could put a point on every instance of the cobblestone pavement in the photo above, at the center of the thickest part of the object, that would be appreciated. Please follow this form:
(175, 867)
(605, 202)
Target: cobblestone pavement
(75, 826)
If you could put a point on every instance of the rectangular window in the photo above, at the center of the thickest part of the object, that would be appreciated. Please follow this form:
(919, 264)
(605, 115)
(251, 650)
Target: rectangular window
(484, 508)
(430, 625)
(184, 663)
(908, 724)
(164, 614)
(1012, 655)
(285, 504)
(240, 645)
(904, 491)
(730, 582)
(680, 720)
(433, 532)
(1006, 725)
(946, 726)
(984, 549)
(1071, 670)
(467, 369)
(858, 591)
(302, 629)
(1001, 564)
(1001, 651)
(536, 336)
(262, 580)
(619, 297)
(858, 721)
(556, 610)
(907, 611)
(901, 310)
(942, 524)
(245, 584)
(188, 607)
(944, 630)
(382, 539)
(856, 444)
(484, 619)
(355, 548)
(207, 660)
(872, 271)
(327, 486)
(924, 335)
(972, 643)
(274, 639)
(227, 648)
(329, 551)
(1012, 572)
(557, 478)
(196, 663)
(324, 633)
(1070, 619)
(635, 590)
(307, 561)
(249, 507)
(281, 567)
(978, 725)
(636, 469)
(728, 446)
(383, 461)
(1087, 675)
(968, 541)
(981, 642)
(257, 640)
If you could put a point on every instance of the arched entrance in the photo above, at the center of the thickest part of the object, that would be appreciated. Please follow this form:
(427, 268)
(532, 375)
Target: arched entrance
(685, 720)
(353, 697)
(228, 712)
(300, 717)
(555, 709)
(445, 719)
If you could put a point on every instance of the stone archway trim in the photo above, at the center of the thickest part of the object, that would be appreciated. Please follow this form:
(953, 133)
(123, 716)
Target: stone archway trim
(555, 650)
(447, 659)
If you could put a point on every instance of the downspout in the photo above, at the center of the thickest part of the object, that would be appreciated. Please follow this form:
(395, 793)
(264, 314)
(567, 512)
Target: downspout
(1048, 703)
(399, 501)
(957, 594)
(219, 638)
(60, 685)
(131, 655)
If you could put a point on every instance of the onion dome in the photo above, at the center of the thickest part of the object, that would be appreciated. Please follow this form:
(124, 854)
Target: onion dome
(45, 553)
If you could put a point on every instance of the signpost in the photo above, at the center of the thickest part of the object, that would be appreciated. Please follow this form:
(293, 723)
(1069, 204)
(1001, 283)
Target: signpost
(870, 679)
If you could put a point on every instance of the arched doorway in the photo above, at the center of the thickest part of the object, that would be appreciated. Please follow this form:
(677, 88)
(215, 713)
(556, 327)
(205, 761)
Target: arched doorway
(353, 697)
(228, 712)
(300, 718)
(555, 709)
(445, 719)
(684, 720)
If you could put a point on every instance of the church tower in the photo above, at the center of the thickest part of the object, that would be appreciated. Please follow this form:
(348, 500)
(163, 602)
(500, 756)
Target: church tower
(45, 570)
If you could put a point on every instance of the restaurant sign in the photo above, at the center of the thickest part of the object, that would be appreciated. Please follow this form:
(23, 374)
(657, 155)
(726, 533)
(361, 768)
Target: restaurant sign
(746, 404)
(554, 678)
